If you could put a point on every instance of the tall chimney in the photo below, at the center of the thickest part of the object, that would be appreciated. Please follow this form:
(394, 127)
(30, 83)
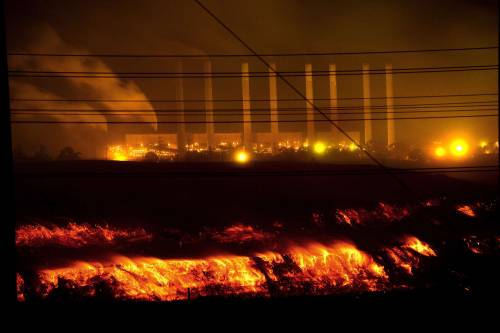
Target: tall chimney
(273, 105)
(389, 100)
(334, 102)
(209, 104)
(247, 125)
(179, 96)
(367, 104)
(310, 111)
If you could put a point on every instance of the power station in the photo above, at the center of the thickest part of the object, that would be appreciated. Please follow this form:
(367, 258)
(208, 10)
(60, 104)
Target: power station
(184, 140)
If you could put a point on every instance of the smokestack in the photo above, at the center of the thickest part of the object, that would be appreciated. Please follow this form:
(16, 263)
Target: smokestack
(179, 96)
(309, 95)
(367, 104)
(273, 105)
(247, 125)
(334, 102)
(389, 100)
(209, 104)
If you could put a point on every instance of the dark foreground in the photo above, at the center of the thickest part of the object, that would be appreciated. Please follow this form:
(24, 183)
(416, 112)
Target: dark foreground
(189, 214)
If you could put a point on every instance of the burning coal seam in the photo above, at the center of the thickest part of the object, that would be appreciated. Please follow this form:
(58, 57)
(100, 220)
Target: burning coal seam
(314, 269)
(75, 235)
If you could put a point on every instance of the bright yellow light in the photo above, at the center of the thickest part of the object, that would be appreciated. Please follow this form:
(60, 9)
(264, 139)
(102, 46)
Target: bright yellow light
(119, 156)
(483, 144)
(459, 148)
(439, 152)
(319, 148)
(242, 156)
(352, 146)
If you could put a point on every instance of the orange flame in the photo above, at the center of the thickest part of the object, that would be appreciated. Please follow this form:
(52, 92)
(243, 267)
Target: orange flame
(75, 235)
(322, 269)
(417, 245)
(466, 210)
(20, 288)
(404, 257)
(240, 233)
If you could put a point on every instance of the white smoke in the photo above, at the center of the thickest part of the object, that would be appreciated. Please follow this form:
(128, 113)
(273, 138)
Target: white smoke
(48, 41)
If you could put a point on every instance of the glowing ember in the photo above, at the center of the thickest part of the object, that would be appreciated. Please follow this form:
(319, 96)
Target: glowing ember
(404, 256)
(384, 212)
(466, 210)
(349, 216)
(75, 235)
(240, 233)
(314, 269)
(20, 288)
(417, 245)
(482, 245)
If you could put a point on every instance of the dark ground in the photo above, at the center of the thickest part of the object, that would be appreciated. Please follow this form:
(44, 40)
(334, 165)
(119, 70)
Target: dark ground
(191, 196)
(219, 193)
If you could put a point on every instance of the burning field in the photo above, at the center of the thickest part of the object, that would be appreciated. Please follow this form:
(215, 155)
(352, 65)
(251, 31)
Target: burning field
(338, 251)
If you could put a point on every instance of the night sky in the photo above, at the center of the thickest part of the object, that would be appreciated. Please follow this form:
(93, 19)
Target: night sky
(180, 26)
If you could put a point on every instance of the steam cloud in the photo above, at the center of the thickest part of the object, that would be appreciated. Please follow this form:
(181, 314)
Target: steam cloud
(86, 138)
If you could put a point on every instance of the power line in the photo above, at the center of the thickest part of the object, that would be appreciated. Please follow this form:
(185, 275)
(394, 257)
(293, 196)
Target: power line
(158, 76)
(153, 100)
(243, 122)
(117, 55)
(444, 107)
(203, 112)
(251, 73)
(167, 114)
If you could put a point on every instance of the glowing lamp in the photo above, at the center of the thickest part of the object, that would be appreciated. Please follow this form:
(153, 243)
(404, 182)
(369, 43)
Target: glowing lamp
(242, 156)
(119, 156)
(439, 152)
(352, 146)
(459, 148)
(319, 148)
(483, 144)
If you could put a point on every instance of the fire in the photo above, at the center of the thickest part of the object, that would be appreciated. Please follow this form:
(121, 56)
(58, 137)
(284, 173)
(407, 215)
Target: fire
(75, 235)
(417, 245)
(349, 216)
(158, 279)
(404, 256)
(466, 210)
(315, 269)
(384, 212)
(240, 233)
(20, 288)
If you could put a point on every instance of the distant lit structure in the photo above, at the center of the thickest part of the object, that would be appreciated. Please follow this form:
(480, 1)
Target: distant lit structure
(439, 152)
(459, 148)
(241, 156)
(319, 148)
(276, 140)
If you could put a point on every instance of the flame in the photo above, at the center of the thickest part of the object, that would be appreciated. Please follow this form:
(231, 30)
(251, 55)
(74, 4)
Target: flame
(20, 288)
(384, 212)
(417, 245)
(482, 245)
(315, 269)
(240, 233)
(404, 256)
(466, 210)
(75, 235)
(348, 216)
